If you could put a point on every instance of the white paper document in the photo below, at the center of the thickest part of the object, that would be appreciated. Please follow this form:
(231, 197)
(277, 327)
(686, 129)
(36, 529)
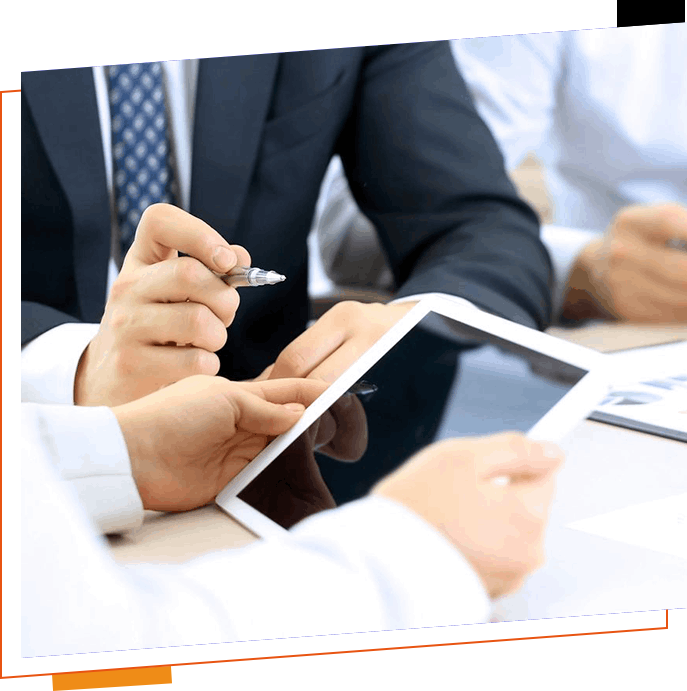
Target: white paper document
(659, 525)
(649, 391)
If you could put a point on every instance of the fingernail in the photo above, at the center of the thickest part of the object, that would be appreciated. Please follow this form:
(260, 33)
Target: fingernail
(550, 450)
(294, 407)
(223, 258)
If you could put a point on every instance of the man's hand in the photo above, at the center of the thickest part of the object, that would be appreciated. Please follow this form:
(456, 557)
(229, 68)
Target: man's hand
(630, 274)
(499, 528)
(336, 340)
(324, 352)
(189, 440)
(159, 302)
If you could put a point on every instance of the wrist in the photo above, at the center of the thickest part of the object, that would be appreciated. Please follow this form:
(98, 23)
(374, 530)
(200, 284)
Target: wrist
(130, 423)
(581, 299)
(80, 378)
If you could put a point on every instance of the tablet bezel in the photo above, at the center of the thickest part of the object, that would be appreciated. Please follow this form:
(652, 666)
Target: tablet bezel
(555, 424)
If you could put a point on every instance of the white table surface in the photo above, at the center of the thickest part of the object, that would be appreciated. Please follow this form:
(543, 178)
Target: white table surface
(607, 468)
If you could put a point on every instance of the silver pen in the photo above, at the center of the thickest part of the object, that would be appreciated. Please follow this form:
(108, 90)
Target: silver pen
(363, 389)
(677, 244)
(249, 276)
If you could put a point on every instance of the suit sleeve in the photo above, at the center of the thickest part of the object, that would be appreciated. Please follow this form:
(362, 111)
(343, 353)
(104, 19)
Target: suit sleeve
(37, 319)
(425, 169)
(369, 566)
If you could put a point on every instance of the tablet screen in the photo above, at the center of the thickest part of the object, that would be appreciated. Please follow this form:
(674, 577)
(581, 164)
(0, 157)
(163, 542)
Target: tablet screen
(424, 388)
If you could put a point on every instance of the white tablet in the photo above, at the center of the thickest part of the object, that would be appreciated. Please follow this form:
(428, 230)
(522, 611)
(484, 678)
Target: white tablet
(574, 380)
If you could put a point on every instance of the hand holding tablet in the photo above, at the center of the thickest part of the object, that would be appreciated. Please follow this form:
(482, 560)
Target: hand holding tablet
(552, 415)
(186, 441)
(498, 527)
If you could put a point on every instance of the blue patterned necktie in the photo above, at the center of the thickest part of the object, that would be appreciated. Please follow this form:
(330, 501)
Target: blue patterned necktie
(142, 155)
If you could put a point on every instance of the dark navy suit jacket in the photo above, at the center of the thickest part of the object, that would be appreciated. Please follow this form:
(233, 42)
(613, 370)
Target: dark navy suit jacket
(421, 164)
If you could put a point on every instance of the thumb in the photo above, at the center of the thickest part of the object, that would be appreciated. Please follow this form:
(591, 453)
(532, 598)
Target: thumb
(265, 374)
(258, 416)
(165, 230)
(514, 455)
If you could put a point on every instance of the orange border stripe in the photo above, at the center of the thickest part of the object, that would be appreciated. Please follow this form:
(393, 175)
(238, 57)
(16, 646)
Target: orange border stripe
(134, 676)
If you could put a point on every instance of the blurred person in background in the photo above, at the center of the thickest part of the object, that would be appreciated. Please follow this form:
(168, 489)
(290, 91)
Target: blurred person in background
(604, 111)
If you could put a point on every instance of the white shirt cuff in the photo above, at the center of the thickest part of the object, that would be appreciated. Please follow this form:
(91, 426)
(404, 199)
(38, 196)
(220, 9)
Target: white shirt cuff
(88, 451)
(49, 362)
(564, 245)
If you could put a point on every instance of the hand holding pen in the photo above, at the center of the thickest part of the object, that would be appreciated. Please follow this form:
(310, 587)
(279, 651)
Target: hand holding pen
(637, 271)
(167, 315)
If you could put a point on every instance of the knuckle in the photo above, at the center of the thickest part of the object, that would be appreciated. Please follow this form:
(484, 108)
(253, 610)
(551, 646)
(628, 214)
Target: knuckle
(220, 335)
(203, 324)
(233, 301)
(204, 363)
(668, 212)
(518, 444)
(121, 287)
(151, 218)
(119, 320)
(292, 361)
(197, 316)
(450, 453)
(346, 309)
(154, 212)
(625, 216)
(118, 291)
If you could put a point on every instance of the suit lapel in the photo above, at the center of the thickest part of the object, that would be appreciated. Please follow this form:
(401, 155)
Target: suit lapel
(65, 110)
(232, 99)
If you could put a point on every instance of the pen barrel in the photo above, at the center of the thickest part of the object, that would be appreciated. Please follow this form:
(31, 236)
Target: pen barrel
(236, 278)
(677, 244)
(242, 276)
(237, 281)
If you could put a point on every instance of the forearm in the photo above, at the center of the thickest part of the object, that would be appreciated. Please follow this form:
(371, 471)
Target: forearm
(493, 259)
(448, 216)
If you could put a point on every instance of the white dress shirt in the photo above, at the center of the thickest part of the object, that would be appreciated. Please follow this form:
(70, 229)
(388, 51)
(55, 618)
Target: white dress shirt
(368, 566)
(603, 109)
